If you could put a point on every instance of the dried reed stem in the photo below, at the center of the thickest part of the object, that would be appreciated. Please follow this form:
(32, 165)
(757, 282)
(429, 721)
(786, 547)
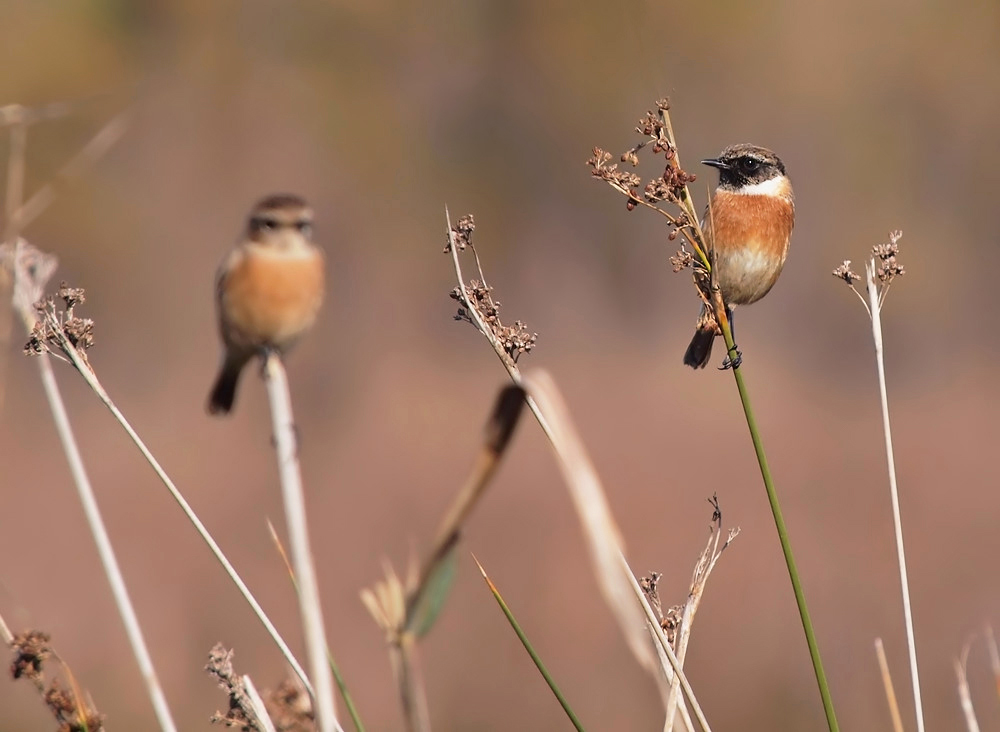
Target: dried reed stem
(283, 425)
(875, 307)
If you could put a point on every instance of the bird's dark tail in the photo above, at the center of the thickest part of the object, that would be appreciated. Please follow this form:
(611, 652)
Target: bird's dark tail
(699, 351)
(220, 401)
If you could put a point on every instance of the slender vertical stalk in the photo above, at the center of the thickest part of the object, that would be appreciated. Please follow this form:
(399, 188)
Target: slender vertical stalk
(104, 548)
(411, 686)
(283, 425)
(875, 308)
(779, 523)
(12, 208)
(94, 383)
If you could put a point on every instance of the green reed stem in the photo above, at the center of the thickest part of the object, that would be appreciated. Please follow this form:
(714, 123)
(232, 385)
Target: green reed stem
(531, 651)
(779, 522)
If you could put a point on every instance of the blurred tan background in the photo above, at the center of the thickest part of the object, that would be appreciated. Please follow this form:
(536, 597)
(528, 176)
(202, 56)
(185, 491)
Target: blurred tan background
(383, 112)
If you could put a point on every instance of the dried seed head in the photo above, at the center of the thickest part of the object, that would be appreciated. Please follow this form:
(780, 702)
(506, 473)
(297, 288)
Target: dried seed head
(31, 650)
(889, 269)
(845, 273)
(671, 622)
(683, 259)
(57, 331)
(461, 232)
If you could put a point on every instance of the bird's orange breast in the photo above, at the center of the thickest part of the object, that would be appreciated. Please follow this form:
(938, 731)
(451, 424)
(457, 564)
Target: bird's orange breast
(749, 235)
(269, 298)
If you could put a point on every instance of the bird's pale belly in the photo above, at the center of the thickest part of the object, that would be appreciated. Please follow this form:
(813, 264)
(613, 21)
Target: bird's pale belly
(746, 274)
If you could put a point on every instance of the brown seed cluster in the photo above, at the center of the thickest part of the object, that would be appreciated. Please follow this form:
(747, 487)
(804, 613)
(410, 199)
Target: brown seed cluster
(845, 273)
(240, 713)
(683, 259)
(514, 339)
(889, 268)
(31, 651)
(57, 329)
(67, 712)
(671, 622)
(670, 185)
(462, 230)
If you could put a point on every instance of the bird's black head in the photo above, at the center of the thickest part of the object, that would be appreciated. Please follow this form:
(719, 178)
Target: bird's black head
(746, 165)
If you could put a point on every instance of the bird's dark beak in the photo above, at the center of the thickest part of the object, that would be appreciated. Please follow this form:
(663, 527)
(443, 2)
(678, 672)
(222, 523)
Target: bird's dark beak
(716, 163)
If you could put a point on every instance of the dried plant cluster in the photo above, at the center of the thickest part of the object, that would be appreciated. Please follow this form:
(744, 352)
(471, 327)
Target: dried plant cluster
(73, 714)
(677, 619)
(884, 264)
(670, 186)
(288, 707)
(240, 713)
(56, 328)
(514, 339)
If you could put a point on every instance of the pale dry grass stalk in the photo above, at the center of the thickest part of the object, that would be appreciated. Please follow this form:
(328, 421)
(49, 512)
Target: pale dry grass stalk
(30, 258)
(257, 704)
(876, 296)
(245, 710)
(653, 626)
(881, 269)
(890, 691)
(707, 560)
(28, 287)
(964, 696)
(283, 425)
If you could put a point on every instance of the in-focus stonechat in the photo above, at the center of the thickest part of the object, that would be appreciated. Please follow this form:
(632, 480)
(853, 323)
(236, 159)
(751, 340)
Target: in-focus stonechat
(752, 214)
(269, 289)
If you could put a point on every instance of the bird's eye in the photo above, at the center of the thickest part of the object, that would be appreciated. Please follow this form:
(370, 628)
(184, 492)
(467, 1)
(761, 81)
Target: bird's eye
(260, 223)
(749, 164)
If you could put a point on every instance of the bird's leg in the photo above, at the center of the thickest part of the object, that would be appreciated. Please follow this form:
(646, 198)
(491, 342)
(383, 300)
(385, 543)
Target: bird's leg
(736, 362)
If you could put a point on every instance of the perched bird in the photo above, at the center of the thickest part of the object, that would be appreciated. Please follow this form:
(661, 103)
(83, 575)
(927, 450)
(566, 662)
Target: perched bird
(747, 227)
(268, 289)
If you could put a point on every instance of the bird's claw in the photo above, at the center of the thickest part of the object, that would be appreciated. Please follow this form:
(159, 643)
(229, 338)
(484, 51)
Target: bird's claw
(732, 363)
